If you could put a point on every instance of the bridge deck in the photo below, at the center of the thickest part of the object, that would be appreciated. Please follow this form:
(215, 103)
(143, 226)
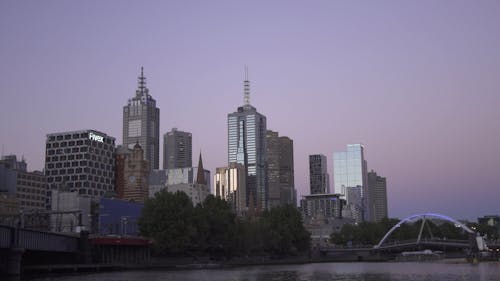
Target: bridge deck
(11, 237)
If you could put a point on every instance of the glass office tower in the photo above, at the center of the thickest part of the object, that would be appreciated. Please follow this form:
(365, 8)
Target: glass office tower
(350, 179)
(246, 129)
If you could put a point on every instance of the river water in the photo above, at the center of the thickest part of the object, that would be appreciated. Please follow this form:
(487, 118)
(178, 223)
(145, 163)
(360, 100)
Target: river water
(405, 271)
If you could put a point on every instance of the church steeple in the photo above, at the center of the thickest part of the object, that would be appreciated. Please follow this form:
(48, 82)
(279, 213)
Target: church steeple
(200, 177)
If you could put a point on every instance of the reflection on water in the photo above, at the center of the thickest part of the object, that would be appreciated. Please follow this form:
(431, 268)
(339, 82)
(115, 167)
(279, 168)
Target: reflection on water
(318, 272)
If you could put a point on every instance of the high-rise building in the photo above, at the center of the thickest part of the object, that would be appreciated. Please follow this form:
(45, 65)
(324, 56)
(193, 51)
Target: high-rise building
(280, 171)
(246, 130)
(229, 184)
(141, 123)
(273, 168)
(136, 173)
(82, 161)
(350, 180)
(319, 180)
(377, 187)
(177, 149)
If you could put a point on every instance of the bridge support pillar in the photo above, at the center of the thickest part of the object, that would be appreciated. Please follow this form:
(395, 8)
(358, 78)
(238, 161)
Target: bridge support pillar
(14, 257)
(84, 249)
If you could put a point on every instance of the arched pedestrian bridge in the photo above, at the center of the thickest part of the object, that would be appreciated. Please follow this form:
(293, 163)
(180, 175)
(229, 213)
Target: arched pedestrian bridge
(418, 232)
(427, 224)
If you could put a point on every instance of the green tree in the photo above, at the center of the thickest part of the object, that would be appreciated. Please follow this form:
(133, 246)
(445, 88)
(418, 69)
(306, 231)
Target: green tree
(215, 226)
(168, 220)
(365, 233)
(284, 232)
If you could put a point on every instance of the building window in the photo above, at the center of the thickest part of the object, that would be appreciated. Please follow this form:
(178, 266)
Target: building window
(134, 128)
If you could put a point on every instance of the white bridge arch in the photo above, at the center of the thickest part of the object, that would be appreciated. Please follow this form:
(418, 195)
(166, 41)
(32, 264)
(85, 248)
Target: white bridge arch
(423, 217)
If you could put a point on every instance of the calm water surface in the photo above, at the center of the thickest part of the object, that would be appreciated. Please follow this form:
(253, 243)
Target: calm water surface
(318, 272)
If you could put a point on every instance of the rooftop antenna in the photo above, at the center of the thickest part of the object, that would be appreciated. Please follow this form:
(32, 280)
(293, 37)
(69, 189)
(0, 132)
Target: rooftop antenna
(246, 89)
(142, 82)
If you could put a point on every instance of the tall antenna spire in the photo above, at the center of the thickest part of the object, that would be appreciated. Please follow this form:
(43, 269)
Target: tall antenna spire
(246, 89)
(142, 82)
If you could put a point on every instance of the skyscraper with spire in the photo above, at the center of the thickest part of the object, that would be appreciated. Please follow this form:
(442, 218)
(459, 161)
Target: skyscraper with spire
(246, 131)
(141, 123)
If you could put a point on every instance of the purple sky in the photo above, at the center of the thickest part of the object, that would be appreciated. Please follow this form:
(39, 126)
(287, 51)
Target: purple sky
(417, 82)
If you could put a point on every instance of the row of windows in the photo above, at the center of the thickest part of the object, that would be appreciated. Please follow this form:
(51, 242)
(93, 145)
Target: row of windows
(32, 204)
(30, 177)
(74, 137)
(92, 150)
(68, 136)
(31, 196)
(85, 184)
(85, 191)
(30, 190)
(31, 183)
(69, 143)
(82, 163)
(79, 171)
(100, 179)
(86, 156)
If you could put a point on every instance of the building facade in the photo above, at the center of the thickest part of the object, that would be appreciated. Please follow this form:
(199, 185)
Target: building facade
(30, 188)
(177, 150)
(246, 130)
(136, 174)
(82, 161)
(118, 217)
(319, 179)
(322, 206)
(9, 209)
(194, 181)
(229, 185)
(71, 211)
(350, 172)
(377, 187)
(280, 169)
(121, 155)
(141, 123)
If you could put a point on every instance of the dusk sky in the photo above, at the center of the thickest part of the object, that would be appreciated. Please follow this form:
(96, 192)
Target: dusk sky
(417, 82)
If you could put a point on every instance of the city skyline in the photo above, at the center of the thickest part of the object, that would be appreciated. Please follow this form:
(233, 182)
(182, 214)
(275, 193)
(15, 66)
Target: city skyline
(416, 83)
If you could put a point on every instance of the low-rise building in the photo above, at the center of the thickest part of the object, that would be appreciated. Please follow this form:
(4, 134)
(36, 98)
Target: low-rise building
(71, 211)
(9, 209)
(322, 205)
(194, 181)
(118, 217)
(30, 188)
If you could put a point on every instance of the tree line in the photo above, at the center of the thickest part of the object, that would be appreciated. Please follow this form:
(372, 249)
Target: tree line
(178, 228)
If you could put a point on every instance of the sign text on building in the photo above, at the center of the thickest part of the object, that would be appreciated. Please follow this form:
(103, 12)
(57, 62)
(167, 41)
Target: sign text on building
(95, 137)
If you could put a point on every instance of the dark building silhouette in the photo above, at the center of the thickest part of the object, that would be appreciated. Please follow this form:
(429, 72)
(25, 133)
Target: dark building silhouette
(280, 169)
(177, 149)
(319, 180)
